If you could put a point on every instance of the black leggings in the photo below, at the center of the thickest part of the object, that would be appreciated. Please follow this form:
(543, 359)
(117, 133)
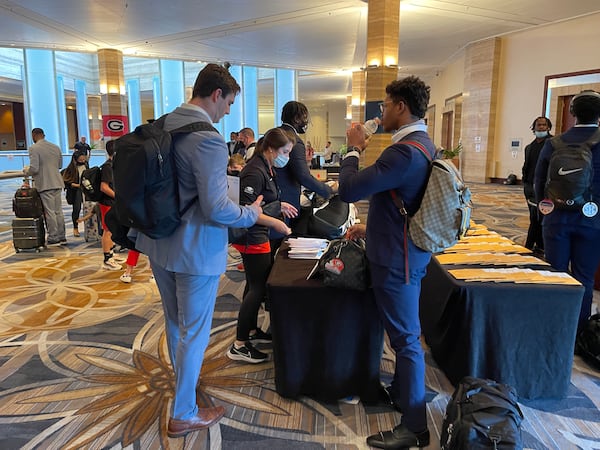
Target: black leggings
(77, 201)
(257, 268)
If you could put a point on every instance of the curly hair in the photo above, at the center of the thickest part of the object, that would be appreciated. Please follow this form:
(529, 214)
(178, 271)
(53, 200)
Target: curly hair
(548, 123)
(413, 92)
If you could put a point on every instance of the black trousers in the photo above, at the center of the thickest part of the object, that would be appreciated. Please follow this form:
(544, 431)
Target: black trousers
(257, 268)
(534, 233)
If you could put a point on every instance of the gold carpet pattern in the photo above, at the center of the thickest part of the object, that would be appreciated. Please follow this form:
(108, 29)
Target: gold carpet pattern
(84, 364)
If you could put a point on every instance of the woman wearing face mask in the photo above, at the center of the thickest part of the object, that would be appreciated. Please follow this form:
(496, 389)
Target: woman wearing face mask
(72, 177)
(258, 178)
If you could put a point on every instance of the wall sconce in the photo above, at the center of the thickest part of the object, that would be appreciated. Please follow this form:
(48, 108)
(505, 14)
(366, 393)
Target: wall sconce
(372, 66)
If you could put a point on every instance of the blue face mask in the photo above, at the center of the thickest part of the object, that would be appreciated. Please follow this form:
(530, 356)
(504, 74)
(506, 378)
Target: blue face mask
(280, 161)
(540, 134)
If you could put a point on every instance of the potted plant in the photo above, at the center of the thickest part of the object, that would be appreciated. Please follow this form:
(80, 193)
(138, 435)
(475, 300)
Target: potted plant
(453, 153)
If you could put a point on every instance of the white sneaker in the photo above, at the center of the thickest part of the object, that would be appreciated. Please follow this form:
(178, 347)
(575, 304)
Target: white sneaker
(111, 264)
(125, 278)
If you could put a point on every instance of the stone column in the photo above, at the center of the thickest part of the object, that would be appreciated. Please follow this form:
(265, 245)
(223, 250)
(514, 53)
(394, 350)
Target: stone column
(112, 93)
(383, 28)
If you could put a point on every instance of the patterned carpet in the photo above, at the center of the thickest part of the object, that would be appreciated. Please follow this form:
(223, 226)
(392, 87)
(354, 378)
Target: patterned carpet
(83, 363)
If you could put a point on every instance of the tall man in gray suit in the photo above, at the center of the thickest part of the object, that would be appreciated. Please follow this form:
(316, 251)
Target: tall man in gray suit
(45, 162)
(188, 264)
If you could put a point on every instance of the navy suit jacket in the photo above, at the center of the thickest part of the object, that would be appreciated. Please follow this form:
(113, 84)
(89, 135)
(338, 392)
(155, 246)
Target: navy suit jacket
(403, 168)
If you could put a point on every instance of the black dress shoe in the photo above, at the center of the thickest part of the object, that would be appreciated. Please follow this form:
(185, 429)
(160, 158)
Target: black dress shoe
(400, 437)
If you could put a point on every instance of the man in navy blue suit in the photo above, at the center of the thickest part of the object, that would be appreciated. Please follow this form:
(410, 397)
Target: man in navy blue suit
(397, 265)
(572, 237)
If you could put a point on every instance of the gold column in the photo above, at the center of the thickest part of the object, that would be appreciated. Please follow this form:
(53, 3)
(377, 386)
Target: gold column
(383, 29)
(112, 86)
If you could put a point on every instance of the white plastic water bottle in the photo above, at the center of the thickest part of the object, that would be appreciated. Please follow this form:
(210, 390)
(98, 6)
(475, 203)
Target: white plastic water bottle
(370, 127)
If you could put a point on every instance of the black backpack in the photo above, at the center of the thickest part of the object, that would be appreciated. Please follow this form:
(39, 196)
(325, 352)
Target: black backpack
(588, 341)
(27, 203)
(482, 414)
(145, 180)
(570, 173)
(90, 184)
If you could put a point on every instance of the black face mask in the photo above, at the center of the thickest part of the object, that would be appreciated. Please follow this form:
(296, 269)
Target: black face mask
(235, 173)
(81, 164)
(301, 127)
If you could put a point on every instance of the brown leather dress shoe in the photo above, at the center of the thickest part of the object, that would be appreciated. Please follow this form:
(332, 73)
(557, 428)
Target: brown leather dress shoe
(203, 419)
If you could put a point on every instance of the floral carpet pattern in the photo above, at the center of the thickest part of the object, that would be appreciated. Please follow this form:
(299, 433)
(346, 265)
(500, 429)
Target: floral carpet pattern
(84, 364)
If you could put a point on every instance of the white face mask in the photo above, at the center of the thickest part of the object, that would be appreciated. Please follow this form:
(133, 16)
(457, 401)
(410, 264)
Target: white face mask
(280, 161)
(540, 134)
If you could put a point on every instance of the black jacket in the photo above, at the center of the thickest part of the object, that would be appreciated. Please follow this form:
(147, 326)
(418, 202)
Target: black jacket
(256, 179)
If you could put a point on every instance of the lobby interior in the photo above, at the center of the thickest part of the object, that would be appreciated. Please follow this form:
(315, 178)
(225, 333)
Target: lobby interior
(83, 360)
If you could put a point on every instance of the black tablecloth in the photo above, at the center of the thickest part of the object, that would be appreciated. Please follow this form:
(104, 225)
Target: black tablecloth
(518, 334)
(327, 343)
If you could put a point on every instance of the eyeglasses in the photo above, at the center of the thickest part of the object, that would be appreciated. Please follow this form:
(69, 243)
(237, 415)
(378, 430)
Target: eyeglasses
(383, 105)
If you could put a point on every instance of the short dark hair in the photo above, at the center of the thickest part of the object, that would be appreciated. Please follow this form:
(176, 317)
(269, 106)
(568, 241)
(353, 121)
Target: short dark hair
(412, 91)
(110, 147)
(294, 112)
(548, 122)
(213, 77)
(586, 107)
(37, 131)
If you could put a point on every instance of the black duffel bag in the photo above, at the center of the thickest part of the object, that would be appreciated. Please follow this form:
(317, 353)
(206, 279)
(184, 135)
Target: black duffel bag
(344, 265)
(482, 414)
(587, 344)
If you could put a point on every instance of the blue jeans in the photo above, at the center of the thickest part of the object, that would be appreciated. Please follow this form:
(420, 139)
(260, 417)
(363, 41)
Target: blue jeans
(188, 303)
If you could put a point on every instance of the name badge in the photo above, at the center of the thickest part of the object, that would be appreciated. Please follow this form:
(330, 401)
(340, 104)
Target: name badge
(546, 206)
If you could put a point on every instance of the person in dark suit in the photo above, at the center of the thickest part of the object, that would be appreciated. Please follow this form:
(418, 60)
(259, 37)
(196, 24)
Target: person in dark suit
(294, 118)
(541, 127)
(397, 265)
(572, 237)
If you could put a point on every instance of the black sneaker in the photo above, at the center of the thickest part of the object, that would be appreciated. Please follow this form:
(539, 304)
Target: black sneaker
(260, 337)
(247, 353)
(399, 438)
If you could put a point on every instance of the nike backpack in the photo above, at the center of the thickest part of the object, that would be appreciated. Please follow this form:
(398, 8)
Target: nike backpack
(570, 173)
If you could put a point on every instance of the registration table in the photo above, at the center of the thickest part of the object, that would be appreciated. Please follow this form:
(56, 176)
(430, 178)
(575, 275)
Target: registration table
(516, 333)
(327, 343)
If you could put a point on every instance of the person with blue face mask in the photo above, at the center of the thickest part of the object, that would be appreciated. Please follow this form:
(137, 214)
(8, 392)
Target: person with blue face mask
(541, 127)
(258, 178)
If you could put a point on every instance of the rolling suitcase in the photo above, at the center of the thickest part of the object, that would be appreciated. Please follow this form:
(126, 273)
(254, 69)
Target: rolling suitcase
(91, 223)
(28, 233)
(27, 202)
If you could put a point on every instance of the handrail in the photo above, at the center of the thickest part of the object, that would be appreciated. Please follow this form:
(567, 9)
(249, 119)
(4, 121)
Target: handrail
(7, 174)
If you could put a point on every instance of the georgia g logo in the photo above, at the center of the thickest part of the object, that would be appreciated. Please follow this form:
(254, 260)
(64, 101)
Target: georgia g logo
(115, 125)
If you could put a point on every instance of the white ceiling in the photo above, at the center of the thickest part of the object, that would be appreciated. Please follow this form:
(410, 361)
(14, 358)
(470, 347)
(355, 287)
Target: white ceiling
(316, 35)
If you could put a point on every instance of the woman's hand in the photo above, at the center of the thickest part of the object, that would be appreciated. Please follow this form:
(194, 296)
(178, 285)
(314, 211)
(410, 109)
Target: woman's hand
(358, 231)
(281, 227)
(289, 211)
